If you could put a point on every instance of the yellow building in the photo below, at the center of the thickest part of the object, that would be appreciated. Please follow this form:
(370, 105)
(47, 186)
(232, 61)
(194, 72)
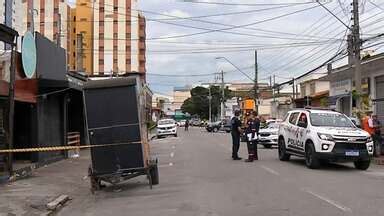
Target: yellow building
(81, 47)
(113, 38)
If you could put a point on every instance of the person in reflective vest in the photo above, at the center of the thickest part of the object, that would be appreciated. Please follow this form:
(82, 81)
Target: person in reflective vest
(252, 131)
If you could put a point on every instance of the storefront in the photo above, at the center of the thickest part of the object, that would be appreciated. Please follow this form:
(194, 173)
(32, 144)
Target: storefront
(341, 95)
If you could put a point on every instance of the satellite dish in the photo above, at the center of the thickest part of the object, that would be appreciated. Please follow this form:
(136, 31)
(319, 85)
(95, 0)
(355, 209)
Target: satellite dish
(28, 54)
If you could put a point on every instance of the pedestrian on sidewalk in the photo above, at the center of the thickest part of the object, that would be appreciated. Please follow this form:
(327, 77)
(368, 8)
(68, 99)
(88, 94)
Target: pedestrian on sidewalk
(235, 132)
(372, 125)
(186, 126)
(252, 131)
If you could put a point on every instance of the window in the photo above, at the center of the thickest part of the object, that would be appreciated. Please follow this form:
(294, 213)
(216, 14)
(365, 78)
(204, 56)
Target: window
(101, 61)
(101, 36)
(56, 10)
(115, 35)
(115, 61)
(115, 47)
(128, 35)
(54, 24)
(74, 42)
(128, 61)
(83, 4)
(101, 23)
(83, 19)
(302, 90)
(74, 30)
(74, 54)
(101, 49)
(101, 9)
(312, 88)
(115, 9)
(303, 121)
(293, 118)
(330, 120)
(41, 10)
(127, 47)
(74, 18)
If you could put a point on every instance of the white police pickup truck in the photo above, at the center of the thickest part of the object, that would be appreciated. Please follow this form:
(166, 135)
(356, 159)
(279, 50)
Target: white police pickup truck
(323, 135)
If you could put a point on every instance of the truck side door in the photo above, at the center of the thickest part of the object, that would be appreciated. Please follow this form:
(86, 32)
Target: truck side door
(291, 129)
(301, 134)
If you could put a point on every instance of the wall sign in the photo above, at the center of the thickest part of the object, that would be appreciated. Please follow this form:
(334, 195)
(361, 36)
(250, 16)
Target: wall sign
(28, 54)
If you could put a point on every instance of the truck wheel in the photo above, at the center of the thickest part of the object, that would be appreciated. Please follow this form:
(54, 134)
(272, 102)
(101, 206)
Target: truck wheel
(154, 172)
(267, 146)
(283, 156)
(362, 165)
(310, 159)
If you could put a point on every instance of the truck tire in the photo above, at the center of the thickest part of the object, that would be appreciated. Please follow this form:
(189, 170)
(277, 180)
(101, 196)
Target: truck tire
(154, 173)
(283, 156)
(362, 165)
(310, 158)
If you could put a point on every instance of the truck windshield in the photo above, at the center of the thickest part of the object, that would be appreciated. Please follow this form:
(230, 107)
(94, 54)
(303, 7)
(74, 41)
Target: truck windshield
(330, 120)
(164, 122)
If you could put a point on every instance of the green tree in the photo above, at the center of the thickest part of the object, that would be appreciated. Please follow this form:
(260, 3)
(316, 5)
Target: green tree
(198, 103)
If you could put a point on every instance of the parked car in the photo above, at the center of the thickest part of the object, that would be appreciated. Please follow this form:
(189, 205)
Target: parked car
(323, 135)
(166, 127)
(219, 126)
(268, 136)
(196, 122)
(181, 123)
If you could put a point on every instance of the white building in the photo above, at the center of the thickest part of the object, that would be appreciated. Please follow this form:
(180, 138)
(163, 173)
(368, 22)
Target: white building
(11, 15)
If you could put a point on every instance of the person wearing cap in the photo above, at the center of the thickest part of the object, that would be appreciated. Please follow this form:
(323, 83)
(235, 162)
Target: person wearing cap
(236, 132)
(252, 130)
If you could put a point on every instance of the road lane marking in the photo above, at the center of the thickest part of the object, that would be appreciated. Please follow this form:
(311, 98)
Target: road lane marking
(172, 154)
(270, 170)
(329, 201)
(165, 165)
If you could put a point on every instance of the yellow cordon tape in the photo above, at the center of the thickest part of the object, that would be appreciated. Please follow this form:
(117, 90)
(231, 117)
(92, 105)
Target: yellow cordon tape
(61, 148)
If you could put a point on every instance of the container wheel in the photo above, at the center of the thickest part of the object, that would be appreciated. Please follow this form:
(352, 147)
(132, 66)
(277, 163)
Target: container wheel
(154, 172)
(94, 181)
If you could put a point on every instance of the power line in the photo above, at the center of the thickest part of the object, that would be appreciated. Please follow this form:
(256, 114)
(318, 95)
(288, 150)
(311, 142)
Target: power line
(239, 4)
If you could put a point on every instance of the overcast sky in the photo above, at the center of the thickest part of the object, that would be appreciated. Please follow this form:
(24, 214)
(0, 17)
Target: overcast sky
(313, 35)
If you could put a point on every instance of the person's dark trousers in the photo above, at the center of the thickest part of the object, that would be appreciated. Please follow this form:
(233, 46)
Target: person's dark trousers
(251, 151)
(255, 154)
(377, 144)
(235, 145)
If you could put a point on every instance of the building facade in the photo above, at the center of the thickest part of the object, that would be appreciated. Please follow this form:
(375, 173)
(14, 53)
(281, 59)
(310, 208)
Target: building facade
(48, 17)
(10, 15)
(108, 37)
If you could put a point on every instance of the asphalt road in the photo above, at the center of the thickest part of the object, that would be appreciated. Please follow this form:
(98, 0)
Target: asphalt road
(198, 178)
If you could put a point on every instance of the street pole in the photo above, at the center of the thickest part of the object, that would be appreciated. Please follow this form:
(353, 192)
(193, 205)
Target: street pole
(11, 98)
(210, 105)
(293, 88)
(273, 88)
(222, 96)
(256, 84)
(356, 42)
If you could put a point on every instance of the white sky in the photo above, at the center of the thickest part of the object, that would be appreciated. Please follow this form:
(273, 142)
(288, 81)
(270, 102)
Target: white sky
(283, 62)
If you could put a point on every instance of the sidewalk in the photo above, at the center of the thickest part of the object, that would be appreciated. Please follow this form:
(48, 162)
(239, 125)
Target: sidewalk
(29, 196)
(379, 160)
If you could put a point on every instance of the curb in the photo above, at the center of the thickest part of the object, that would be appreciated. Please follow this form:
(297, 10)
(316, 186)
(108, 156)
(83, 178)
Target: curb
(378, 161)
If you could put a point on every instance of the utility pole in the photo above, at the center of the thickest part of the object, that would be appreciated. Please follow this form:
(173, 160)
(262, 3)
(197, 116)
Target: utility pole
(357, 44)
(210, 104)
(293, 89)
(256, 84)
(273, 88)
(223, 96)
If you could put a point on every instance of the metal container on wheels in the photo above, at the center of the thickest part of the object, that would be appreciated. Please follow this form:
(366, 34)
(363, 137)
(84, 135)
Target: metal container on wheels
(117, 131)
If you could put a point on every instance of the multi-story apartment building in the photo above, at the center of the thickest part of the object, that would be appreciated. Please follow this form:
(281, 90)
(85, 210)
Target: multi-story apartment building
(113, 37)
(10, 15)
(48, 17)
